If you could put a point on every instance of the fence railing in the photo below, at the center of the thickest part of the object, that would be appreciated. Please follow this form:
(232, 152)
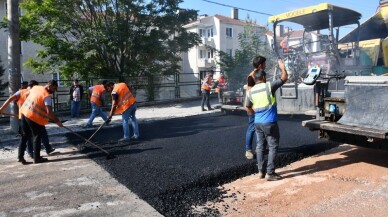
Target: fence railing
(146, 89)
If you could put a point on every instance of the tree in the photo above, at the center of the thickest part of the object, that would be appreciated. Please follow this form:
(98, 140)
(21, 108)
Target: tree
(252, 43)
(107, 38)
(2, 85)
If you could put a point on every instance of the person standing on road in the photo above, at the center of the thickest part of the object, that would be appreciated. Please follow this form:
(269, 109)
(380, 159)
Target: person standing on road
(258, 64)
(20, 96)
(36, 113)
(262, 104)
(221, 86)
(76, 93)
(97, 97)
(124, 103)
(205, 89)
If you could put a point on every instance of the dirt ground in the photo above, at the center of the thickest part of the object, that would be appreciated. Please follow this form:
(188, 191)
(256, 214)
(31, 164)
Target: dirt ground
(344, 181)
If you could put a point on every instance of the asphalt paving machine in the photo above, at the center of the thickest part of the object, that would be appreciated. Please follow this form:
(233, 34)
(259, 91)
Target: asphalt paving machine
(350, 89)
(340, 82)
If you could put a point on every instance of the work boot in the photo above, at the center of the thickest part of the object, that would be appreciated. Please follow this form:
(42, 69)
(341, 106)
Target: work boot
(273, 177)
(40, 160)
(249, 154)
(204, 110)
(134, 137)
(50, 151)
(210, 109)
(124, 140)
(23, 161)
(261, 174)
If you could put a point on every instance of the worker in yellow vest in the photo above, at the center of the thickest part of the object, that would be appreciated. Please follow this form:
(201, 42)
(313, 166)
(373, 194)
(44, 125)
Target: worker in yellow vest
(261, 102)
(36, 113)
(124, 104)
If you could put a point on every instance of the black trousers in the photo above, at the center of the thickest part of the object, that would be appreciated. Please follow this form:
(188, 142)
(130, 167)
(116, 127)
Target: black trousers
(205, 98)
(34, 130)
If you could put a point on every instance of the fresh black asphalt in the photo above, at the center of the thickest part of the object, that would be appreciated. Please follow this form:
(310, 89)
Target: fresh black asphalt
(178, 163)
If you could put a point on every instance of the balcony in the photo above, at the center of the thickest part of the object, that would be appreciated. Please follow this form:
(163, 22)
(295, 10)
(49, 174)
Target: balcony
(205, 62)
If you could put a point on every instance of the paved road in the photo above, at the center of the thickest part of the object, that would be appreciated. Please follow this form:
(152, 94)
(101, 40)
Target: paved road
(179, 162)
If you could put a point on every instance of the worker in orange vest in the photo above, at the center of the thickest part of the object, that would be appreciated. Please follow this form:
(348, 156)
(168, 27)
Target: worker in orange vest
(97, 98)
(36, 113)
(205, 89)
(20, 96)
(124, 104)
(284, 44)
(221, 86)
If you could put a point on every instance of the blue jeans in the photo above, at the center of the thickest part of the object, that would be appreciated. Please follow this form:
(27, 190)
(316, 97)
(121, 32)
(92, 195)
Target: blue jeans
(130, 116)
(267, 133)
(250, 132)
(75, 108)
(96, 110)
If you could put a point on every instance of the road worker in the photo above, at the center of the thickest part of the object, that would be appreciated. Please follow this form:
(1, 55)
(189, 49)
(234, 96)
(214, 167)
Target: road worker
(36, 112)
(20, 96)
(124, 103)
(221, 86)
(261, 102)
(205, 89)
(97, 98)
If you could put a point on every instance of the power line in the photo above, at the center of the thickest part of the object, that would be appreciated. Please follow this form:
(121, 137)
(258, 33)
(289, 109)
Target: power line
(258, 12)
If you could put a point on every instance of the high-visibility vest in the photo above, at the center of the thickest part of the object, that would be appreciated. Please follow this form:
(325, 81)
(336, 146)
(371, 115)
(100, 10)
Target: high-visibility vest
(221, 84)
(34, 108)
(207, 85)
(96, 94)
(22, 98)
(261, 97)
(250, 75)
(125, 98)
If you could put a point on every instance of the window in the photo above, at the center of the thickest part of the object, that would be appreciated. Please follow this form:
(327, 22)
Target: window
(229, 52)
(229, 32)
(210, 32)
(210, 54)
(202, 33)
(202, 54)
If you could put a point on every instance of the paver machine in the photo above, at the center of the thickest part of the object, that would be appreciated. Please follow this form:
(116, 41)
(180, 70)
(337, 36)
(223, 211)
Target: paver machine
(350, 91)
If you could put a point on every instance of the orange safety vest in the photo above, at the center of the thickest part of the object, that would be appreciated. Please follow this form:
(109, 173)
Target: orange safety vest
(221, 84)
(23, 96)
(250, 75)
(97, 93)
(207, 86)
(125, 98)
(34, 108)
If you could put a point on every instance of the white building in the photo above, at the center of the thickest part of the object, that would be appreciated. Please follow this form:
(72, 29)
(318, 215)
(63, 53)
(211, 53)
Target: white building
(28, 49)
(217, 32)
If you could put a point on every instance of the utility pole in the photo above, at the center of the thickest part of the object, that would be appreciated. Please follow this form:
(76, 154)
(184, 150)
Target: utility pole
(14, 75)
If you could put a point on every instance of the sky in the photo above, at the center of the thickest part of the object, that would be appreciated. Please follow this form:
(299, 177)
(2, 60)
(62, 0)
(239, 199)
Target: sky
(367, 8)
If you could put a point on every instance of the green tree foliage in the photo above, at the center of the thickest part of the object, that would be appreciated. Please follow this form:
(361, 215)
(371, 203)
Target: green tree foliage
(252, 42)
(2, 85)
(107, 38)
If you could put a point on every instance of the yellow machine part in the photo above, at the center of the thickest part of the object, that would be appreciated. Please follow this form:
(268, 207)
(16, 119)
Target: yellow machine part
(385, 51)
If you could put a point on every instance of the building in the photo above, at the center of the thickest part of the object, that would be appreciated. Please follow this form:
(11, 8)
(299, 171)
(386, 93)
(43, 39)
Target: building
(218, 33)
(28, 49)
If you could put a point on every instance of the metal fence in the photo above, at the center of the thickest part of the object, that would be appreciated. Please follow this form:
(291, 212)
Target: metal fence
(146, 89)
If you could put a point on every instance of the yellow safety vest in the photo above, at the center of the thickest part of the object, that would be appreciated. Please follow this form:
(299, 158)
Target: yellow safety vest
(261, 97)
